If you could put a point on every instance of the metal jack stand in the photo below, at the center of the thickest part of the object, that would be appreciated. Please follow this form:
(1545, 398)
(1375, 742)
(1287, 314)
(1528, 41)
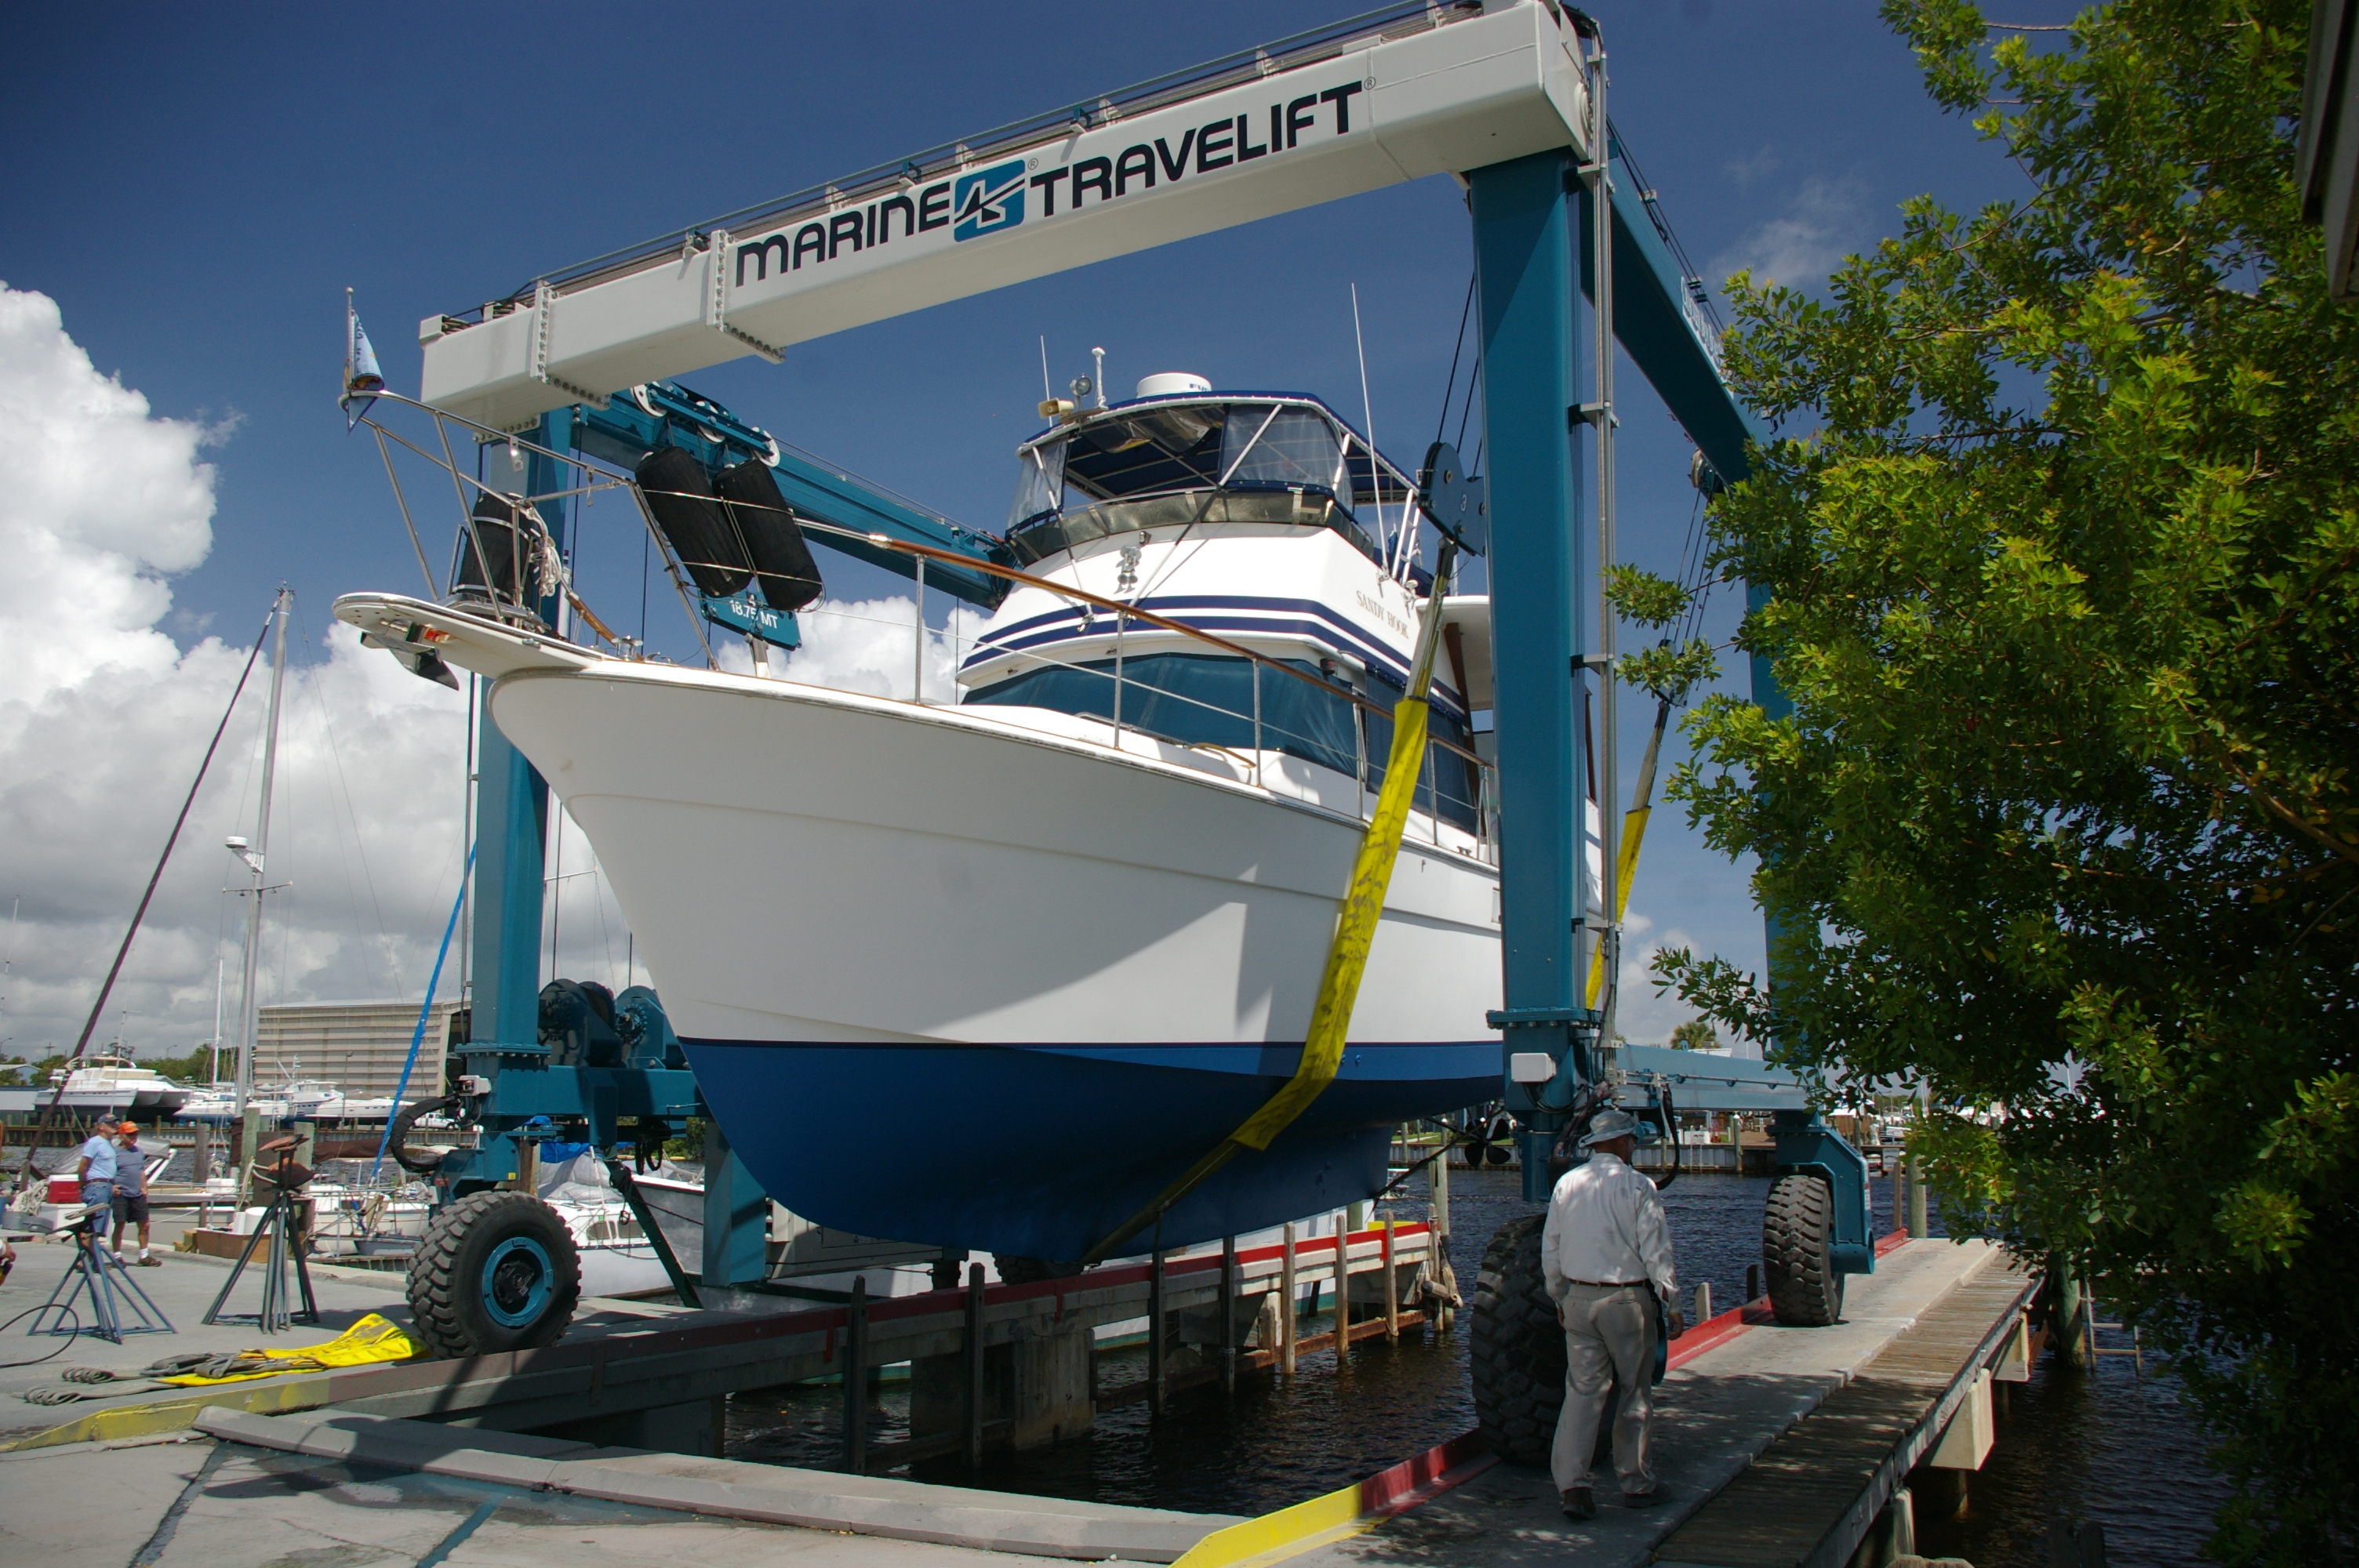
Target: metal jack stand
(109, 1286)
(279, 1232)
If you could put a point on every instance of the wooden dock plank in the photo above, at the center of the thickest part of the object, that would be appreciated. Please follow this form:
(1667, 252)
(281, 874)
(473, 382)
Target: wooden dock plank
(1799, 1494)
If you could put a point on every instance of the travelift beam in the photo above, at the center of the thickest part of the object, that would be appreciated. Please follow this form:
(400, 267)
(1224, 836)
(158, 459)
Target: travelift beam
(1453, 86)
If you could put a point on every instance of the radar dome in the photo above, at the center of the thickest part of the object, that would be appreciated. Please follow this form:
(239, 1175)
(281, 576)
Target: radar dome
(1172, 383)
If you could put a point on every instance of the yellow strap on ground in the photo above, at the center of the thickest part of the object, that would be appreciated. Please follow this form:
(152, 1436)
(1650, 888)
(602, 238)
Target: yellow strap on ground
(1275, 1537)
(1355, 929)
(367, 1342)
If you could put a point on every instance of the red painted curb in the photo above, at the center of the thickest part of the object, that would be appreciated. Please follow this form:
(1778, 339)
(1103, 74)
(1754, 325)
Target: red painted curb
(1393, 1491)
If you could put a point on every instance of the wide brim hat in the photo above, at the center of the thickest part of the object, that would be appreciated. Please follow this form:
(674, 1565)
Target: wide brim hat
(1608, 1125)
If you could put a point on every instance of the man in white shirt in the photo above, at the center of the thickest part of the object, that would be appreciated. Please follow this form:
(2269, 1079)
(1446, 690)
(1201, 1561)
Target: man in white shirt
(1606, 1254)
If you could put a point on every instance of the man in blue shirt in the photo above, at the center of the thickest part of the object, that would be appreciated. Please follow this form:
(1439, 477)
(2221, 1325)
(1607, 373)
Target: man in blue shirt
(96, 1169)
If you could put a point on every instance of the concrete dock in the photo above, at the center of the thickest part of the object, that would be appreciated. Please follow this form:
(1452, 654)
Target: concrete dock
(1774, 1445)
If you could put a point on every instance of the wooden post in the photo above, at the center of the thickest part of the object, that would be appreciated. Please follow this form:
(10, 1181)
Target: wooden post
(1392, 1285)
(1343, 1291)
(1228, 1315)
(2068, 1312)
(855, 1378)
(1155, 1378)
(974, 1367)
(1287, 1306)
(1437, 1262)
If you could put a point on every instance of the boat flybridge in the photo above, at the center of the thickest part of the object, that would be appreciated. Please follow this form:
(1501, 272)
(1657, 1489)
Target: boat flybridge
(989, 973)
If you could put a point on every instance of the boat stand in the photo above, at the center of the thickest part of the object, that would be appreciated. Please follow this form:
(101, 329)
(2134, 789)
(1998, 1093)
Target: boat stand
(101, 1278)
(279, 1233)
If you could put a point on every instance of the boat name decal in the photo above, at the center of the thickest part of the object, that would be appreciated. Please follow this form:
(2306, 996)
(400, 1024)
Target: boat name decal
(993, 200)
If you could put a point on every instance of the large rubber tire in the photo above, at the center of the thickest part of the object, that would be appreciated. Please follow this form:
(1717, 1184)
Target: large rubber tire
(1518, 1346)
(496, 1272)
(1798, 1252)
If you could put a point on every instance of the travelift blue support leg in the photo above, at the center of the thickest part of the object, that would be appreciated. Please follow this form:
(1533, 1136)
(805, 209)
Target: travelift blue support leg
(1525, 258)
(512, 814)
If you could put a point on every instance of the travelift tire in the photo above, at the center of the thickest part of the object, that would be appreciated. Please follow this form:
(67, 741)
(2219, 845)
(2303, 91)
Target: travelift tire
(1518, 1345)
(1798, 1252)
(496, 1272)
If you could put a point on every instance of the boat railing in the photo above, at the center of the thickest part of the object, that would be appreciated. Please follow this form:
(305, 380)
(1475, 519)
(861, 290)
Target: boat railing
(559, 610)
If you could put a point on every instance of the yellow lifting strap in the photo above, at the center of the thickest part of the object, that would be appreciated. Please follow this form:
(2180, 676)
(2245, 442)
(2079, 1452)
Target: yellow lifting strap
(1625, 860)
(370, 1341)
(1355, 930)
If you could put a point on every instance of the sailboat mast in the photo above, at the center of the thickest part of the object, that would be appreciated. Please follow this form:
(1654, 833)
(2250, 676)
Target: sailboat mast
(249, 996)
(221, 977)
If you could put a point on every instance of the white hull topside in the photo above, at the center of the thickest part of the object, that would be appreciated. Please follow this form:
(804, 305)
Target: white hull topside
(803, 864)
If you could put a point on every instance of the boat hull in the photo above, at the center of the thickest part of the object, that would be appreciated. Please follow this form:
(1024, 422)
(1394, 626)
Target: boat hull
(973, 977)
(1042, 1151)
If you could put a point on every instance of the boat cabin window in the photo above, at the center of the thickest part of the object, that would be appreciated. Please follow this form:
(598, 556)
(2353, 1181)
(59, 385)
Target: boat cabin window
(1039, 484)
(1202, 699)
(1141, 468)
(1278, 446)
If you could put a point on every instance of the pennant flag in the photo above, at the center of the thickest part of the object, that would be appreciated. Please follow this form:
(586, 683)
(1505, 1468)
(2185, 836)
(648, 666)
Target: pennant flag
(361, 372)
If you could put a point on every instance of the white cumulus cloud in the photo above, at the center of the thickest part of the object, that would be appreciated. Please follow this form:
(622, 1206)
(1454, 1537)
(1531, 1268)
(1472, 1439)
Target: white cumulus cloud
(1826, 220)
(103, 717)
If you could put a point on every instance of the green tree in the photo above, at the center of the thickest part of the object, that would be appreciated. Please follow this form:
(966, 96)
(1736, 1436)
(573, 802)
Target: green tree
(2054, 558)
(1695, 1034)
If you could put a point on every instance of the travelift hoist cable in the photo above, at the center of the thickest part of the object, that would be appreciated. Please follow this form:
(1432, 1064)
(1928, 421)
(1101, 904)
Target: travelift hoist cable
(1355, 931)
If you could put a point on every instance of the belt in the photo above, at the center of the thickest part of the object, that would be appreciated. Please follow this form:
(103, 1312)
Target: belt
(1608, 1285)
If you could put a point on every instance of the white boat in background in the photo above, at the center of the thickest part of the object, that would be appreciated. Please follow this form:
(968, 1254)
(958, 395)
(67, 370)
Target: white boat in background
(210, 1102)
(114, 1086)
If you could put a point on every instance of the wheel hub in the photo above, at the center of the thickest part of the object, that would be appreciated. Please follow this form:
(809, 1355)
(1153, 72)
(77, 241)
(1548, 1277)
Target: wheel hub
(518, 1280)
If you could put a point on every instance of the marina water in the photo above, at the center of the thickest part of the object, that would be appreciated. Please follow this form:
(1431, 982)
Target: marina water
(2106, 1444)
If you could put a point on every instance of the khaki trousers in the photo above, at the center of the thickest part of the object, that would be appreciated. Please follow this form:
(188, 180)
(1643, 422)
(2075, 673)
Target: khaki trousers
(1609, 1342)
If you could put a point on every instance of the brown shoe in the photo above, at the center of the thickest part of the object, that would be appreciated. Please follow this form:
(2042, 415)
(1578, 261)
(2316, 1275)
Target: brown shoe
(1642, 1499)
(1579, 1503)
(151, 1262)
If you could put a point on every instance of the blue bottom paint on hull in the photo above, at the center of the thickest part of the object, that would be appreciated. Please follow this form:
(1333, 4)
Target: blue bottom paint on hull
(1038, 1151)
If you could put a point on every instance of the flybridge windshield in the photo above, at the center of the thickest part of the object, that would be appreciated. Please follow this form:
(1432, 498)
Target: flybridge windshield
(1240, 444)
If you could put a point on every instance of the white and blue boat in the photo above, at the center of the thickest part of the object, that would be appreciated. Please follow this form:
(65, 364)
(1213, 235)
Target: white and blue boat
(989, 973)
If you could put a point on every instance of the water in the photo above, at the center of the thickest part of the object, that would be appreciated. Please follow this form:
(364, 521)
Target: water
(2104, 1445)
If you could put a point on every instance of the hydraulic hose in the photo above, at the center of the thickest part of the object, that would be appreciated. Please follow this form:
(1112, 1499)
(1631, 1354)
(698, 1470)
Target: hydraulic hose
(397, 1135)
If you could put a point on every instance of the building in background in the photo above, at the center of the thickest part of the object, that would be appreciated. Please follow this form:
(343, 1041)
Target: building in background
(359, 1046)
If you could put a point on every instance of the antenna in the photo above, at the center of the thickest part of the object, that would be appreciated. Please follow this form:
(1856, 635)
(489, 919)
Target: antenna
(1368, 412)
(1098, 357)
(1047, 393)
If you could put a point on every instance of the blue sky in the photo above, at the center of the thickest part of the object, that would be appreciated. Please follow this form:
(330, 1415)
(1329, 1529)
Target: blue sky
(195, 187)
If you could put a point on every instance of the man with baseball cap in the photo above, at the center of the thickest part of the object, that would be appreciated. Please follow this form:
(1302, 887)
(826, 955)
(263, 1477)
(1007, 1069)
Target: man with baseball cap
(1605, 1253)
(95, 1167)
(131, 1194)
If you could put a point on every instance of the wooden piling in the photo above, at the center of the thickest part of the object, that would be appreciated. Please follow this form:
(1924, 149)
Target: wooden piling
(973, 1443)
(1228, 1315)
(1157, 1384)
(1392, 1286)
(855, 1378)
(1286, 1325)
(1438, 1256)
